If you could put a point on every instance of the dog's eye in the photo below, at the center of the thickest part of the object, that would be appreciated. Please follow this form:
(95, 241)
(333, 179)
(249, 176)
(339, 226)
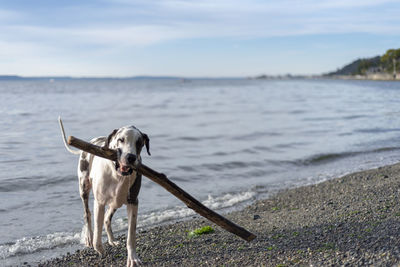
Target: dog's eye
(121, 140)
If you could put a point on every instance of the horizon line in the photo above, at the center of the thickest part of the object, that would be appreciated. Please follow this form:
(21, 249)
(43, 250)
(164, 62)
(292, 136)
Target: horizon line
(68, 77)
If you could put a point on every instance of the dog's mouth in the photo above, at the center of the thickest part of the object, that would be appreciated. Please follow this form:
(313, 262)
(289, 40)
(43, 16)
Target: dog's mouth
(123, 169)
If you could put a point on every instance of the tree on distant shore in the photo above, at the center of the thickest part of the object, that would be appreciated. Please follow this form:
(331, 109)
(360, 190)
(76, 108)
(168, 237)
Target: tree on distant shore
(376, 64)
(388, 58)
(369, 64)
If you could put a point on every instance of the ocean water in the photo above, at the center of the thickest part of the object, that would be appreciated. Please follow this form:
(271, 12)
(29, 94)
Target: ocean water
(226, 142)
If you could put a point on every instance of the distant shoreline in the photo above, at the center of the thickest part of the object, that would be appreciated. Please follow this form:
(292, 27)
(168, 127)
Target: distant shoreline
(368, 77)
(100, 78)
(351, 220)
(371, 77)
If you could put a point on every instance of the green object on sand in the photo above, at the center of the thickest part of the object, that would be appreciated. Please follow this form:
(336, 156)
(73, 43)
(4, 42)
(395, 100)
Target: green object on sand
(200, 231)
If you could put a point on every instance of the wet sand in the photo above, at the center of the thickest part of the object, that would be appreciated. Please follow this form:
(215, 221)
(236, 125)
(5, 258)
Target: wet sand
(352, 221)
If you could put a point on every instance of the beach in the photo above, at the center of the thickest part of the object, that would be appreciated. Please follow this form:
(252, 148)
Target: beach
(352, 220)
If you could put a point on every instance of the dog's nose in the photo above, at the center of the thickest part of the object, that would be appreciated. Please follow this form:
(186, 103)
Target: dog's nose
(131, 158)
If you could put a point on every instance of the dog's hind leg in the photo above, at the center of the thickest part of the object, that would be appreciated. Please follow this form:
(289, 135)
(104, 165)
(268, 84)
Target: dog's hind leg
(98, 226)
(88, 219)
(107, 223)
(84, 190)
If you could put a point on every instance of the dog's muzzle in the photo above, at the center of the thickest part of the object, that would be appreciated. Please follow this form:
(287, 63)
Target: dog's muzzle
(124, 164)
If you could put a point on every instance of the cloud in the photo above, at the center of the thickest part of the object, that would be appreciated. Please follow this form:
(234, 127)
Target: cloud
(182, 19)
(97, 36)
(141, 23)
(9, 15)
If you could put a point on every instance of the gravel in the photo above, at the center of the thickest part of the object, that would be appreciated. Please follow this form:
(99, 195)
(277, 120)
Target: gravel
(349, 221)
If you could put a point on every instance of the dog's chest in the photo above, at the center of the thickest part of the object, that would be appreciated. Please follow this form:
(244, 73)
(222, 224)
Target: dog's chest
(108, 188)
(119, 194)
(114, 192)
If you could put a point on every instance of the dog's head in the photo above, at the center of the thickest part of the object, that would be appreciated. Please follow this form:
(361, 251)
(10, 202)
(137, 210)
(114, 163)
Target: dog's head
(128, 141)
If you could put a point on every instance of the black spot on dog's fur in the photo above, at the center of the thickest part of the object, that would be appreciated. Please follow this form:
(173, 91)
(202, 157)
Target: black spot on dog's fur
(83, 165)
(110, 137)
(134, 190)
(139, 145)
(147, 143)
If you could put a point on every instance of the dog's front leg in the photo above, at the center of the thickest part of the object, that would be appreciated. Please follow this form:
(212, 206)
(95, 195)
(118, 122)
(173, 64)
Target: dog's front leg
(107, 223)
(98, 226)
(133, 259)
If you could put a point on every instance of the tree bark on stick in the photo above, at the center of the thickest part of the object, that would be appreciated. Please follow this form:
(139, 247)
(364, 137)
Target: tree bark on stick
(171, 187)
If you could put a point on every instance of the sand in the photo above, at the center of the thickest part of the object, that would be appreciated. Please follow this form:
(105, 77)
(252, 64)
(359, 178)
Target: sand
(352, 221)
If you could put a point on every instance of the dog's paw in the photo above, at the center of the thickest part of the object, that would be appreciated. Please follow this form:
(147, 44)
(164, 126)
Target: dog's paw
(133, 260)
(89, 241)
(99, 248)
(113, 243)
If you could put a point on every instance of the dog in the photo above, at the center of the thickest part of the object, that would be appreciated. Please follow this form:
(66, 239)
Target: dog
(113, 184)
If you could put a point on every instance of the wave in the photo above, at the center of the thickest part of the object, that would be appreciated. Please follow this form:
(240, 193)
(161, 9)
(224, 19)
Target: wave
(329, 157)
(28, 245)
(179, 212)
(255, 135)
(316, 159)
(196, 138)
(377, 130)
(33, 183)
(232, 165)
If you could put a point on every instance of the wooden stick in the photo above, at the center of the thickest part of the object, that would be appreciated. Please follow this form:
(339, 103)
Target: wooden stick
(171, 187)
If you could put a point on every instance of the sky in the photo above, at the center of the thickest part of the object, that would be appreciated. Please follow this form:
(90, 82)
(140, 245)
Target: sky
(192, 38)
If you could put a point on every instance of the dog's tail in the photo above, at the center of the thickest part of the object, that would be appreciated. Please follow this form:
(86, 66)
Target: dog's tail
(75, 152)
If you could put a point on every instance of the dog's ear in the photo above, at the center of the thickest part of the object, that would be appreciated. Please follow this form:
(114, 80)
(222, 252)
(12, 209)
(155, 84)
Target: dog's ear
(147, 143)
(110, 136)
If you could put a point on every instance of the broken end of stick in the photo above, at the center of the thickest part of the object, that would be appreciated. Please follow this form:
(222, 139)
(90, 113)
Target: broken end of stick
(251, 237)
(70, 140)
